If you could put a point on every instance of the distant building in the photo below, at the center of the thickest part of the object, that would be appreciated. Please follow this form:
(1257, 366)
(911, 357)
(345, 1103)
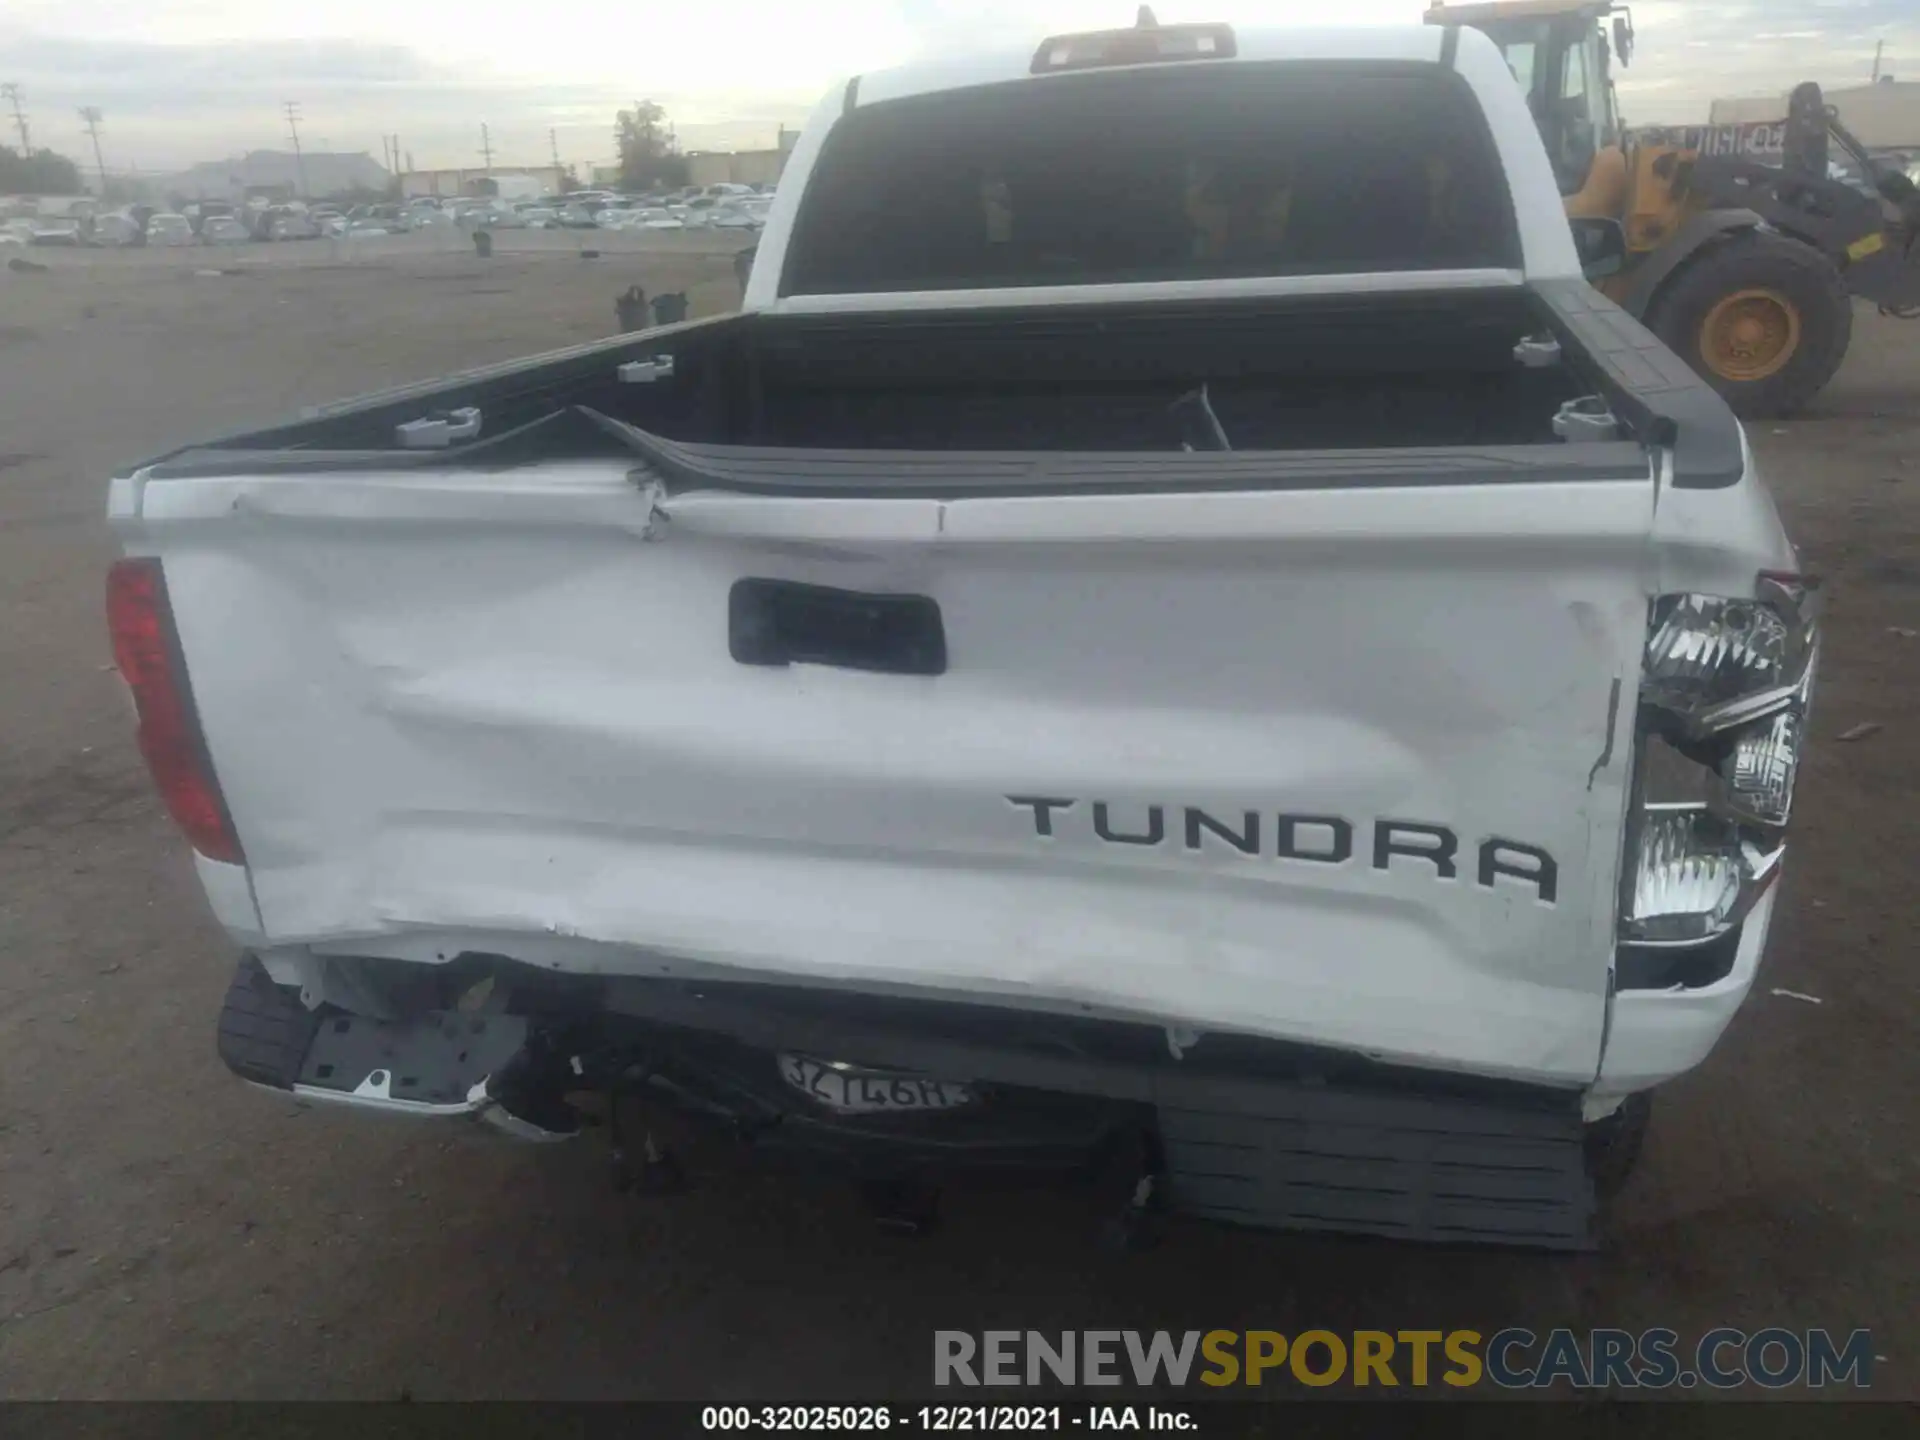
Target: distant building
(1885, 116)
(738, 167)
(449, 184)
(277, 174)
(742, 167)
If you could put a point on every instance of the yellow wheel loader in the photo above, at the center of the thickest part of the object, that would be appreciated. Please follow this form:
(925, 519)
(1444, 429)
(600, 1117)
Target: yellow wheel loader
(1745, 245)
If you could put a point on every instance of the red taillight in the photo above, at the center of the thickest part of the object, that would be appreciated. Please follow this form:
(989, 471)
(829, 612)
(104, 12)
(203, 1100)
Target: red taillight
(147, 650)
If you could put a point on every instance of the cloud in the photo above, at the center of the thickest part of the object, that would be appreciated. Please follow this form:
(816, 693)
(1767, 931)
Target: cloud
(186, 80)
(167, 106)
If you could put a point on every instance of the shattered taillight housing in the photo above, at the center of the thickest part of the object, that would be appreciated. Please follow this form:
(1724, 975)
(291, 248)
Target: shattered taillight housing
(1724, 698)
(1714, 662)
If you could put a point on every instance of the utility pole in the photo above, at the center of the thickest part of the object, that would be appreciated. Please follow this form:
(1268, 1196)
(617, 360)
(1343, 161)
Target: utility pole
(1879, 49)
(10, 92)
(91, 114)
(553, 144)
(292, 107)
(486, 149)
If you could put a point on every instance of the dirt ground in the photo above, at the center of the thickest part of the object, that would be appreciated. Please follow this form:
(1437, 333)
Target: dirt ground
(166, 1231)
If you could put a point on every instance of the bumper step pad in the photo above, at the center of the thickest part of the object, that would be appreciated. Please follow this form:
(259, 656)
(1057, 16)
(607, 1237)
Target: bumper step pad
(1425, 1168)
(433, 1064)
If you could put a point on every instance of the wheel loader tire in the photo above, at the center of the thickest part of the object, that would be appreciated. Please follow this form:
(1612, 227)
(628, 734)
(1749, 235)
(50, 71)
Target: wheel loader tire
(1764, 319)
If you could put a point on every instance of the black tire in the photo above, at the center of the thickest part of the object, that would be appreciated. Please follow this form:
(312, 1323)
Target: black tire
(1755, 260)
(1613, 1145)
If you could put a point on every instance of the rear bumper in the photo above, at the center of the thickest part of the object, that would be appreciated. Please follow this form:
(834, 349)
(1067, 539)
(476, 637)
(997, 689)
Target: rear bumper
(1245, 1131)
(1657, 1034)
(437, 1067)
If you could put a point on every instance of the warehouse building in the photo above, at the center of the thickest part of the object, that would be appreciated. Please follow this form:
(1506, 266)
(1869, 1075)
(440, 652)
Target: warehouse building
(1885, 116)
(450, 184)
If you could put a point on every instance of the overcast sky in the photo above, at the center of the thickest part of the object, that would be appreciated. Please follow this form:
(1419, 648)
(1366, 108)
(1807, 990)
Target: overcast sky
(187, 80)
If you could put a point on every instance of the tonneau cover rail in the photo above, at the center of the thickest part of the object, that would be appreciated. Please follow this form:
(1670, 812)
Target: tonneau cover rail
(1649, 387)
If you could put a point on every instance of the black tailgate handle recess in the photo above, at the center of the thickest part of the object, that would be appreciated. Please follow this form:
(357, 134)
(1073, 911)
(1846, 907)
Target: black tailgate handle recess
(782, 622)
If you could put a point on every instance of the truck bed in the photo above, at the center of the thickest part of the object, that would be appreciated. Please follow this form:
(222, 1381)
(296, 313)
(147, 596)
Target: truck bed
(1343, 390)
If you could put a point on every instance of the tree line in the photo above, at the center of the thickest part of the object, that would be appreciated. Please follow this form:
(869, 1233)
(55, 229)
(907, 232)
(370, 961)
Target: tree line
(41, 173)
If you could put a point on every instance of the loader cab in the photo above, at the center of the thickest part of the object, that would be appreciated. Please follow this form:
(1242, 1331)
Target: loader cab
(1562, 58)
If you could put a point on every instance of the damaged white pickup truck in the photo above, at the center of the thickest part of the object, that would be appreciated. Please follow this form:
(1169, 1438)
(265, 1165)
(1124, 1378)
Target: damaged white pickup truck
(1174, 640)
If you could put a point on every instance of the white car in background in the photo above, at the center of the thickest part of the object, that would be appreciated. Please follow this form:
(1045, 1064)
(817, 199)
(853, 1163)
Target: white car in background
(224, 230)
(56, 230)
(111, 232)
(168, 229)
(291, 222)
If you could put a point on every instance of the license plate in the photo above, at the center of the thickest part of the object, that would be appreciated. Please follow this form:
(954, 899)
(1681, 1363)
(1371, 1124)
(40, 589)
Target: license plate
(868, 1092)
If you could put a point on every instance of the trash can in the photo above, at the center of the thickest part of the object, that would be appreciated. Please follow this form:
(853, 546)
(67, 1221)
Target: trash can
(483, 243)
(670, 309)
(631, 308)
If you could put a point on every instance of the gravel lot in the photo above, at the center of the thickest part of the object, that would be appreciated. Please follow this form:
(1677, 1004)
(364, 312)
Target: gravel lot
(166, 1231)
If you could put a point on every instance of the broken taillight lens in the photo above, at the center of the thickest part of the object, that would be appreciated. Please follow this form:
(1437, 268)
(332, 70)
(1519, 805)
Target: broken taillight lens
(1714, 662)
(146, 648)
(1695, 875)
(1724, 696)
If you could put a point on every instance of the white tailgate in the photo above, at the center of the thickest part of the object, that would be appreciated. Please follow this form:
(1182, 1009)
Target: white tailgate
(484, 710)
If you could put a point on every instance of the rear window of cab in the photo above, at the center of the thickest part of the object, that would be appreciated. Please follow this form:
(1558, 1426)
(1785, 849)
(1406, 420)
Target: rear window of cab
(1164, 172)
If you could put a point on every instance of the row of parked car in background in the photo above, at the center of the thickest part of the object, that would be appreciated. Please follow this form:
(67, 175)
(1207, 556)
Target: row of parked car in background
(722, 206)
(212, 223)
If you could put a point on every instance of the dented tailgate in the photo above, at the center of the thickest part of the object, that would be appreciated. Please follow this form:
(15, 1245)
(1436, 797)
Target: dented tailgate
(1344, 765)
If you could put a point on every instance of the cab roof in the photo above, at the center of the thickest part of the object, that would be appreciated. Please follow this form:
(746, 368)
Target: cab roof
(1402, 43)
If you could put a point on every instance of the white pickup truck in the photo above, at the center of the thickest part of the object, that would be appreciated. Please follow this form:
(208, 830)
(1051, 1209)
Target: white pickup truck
(1173, 640)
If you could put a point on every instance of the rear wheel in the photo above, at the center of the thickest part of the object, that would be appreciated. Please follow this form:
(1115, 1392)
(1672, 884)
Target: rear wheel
(1764, 319)
(1613, 1144)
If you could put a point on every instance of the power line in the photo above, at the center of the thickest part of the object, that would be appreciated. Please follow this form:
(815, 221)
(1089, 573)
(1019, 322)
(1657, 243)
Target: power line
(11, 93)
(292, 107)
(91, 114)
